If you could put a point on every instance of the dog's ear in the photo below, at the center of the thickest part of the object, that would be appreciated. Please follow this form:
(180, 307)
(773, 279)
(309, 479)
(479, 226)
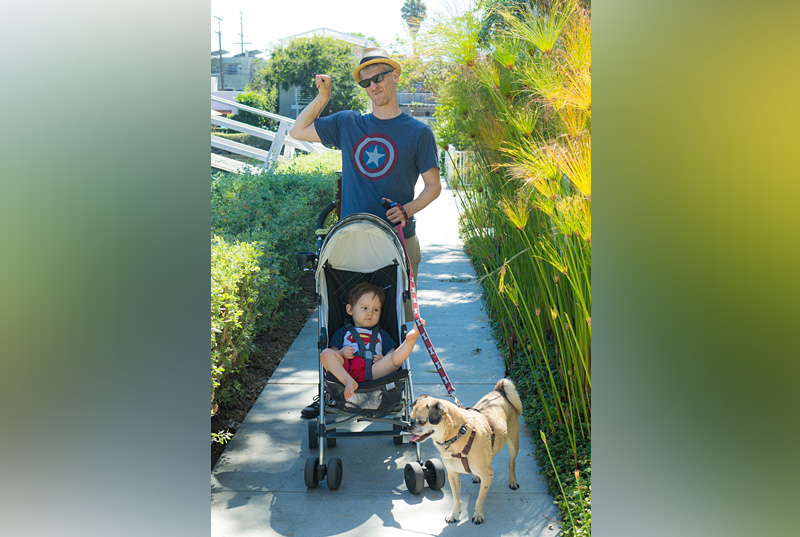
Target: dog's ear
(435, 414)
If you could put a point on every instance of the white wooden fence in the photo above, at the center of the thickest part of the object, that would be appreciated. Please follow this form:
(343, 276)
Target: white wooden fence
(282, 145)
(458, 168)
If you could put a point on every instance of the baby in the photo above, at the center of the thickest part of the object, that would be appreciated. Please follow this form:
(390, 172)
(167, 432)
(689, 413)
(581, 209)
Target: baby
(364, 304)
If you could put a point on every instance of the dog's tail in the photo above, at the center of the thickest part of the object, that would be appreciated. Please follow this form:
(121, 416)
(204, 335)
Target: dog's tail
(509, 391)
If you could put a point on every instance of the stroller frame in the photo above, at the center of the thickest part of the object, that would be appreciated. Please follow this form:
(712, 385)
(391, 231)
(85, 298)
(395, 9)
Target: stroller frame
(380, 240)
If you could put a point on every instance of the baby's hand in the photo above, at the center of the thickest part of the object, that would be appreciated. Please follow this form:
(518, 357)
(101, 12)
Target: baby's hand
(347, 353)
(413, 334)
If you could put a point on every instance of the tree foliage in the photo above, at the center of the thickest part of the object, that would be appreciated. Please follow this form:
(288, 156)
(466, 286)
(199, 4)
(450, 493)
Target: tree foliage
(413, 12)
(297, 63)
(261, 100)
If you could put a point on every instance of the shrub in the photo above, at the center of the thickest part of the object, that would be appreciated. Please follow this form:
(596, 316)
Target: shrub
(277, 210)
(262, 101)
(235, 278)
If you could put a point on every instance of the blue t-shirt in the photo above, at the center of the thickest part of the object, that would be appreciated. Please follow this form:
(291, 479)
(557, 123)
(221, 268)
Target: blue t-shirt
(381, 158)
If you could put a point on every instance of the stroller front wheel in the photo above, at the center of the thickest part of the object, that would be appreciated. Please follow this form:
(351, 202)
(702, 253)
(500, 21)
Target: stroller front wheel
(334, 473)
(311, 472)
(435, 473)
(415, 477)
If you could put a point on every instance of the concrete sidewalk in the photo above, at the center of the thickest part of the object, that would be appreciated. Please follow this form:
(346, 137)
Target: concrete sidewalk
(258, 488)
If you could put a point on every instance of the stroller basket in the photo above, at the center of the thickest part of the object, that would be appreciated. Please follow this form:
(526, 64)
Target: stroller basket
(373, 399)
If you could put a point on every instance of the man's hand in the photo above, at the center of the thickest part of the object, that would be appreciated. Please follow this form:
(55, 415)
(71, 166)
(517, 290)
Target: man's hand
(303, 128)
(396, 213)
(324, 84)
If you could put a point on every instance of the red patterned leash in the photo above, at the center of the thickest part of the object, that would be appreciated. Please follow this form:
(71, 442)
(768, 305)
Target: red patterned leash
(451, 391)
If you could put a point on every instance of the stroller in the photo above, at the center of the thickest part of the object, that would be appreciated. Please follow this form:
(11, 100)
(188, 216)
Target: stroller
(361, 248)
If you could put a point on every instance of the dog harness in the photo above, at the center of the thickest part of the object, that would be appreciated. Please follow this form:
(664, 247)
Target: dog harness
(465, 452)
(367, 353)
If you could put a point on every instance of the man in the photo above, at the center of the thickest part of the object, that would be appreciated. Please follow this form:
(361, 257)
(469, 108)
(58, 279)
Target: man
(383, 153)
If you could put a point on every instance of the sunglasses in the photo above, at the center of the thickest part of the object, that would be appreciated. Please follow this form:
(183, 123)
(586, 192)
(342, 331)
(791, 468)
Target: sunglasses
(377, 78)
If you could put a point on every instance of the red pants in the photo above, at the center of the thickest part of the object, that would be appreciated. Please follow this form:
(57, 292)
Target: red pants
(356, 367)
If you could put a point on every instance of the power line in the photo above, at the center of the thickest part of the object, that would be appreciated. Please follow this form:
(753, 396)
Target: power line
(221, 70)
(241, 33)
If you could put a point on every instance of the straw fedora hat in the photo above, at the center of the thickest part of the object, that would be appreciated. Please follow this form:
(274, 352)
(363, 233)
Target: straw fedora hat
(370, 56)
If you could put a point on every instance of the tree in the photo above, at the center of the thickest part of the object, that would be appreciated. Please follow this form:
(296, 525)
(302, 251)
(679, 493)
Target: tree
(296, 64)
(360, 34)
(261, 100)
(413, 12)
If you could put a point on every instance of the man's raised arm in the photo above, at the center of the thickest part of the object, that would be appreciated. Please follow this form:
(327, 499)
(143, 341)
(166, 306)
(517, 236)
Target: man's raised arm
(303, 128)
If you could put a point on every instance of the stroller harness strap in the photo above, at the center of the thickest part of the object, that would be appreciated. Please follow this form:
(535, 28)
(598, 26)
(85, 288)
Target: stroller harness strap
(451, 391)
(367, 353)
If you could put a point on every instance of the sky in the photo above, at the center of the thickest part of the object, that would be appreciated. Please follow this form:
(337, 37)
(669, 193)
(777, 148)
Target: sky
(266, 22)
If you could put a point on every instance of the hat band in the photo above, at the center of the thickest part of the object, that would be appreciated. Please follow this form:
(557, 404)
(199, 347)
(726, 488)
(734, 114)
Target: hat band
(373, 58)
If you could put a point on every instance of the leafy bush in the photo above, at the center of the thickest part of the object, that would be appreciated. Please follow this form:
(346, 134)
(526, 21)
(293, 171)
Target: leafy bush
(258, 222)
(261, 100)
(235, 278)
(276, 210)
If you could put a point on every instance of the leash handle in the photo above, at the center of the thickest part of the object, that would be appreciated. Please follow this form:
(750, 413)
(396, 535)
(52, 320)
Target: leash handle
(451, 391)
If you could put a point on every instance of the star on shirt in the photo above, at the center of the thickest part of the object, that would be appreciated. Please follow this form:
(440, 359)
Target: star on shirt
(374, 157)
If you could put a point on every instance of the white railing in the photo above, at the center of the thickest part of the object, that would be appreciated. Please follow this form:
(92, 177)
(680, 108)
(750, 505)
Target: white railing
(281, 144)
(417, 97)
(459, 167)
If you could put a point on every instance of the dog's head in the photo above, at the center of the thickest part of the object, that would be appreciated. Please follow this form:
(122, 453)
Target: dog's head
(428, 416)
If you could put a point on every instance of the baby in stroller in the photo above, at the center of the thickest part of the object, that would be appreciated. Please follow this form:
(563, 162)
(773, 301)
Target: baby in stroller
(356, 351)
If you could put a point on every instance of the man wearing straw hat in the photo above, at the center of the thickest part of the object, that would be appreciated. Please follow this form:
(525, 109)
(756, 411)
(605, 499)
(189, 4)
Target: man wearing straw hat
(383, 153)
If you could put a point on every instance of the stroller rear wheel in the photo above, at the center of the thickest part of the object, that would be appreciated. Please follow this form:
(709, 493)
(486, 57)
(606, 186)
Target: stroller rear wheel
(331, 442)
(313, 439)
(398, 440)
(415, 477)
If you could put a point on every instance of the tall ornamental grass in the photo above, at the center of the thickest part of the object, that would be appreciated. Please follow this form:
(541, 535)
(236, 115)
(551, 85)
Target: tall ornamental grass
(518, 99)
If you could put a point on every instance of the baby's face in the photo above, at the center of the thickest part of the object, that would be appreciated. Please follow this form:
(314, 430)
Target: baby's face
(366, 312)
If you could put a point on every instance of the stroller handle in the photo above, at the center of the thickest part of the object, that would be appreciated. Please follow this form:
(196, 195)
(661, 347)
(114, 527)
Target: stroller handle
(324, 214)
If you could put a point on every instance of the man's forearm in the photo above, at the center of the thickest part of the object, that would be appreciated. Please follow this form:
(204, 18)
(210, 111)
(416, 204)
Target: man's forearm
(307, 116)
(429, 193)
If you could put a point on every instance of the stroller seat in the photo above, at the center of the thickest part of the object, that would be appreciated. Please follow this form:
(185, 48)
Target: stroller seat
(373, 399)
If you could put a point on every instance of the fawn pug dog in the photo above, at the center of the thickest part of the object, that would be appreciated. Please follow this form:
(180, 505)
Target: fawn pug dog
(469, 438)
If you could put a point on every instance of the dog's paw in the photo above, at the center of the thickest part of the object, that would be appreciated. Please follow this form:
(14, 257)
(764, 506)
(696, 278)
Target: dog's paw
(450, 519)
(477, 519)
(476, 479)
(513, 485)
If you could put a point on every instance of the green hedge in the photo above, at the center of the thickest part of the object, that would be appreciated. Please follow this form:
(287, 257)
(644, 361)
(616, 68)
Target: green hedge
(258, 222)
(277, 210)
(235, 276)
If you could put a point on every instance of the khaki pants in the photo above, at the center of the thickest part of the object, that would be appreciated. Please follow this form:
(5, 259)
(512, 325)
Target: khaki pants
(414, 256)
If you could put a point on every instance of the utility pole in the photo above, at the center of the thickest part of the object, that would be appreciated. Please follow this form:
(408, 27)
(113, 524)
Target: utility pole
(241, 33)
(221, 69)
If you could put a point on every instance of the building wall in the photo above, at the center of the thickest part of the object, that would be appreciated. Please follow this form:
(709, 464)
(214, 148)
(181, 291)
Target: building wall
(224, 108)
(239, 71)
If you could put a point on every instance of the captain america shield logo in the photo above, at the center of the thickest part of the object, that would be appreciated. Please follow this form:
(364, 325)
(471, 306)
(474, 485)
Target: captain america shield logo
(375, 156)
